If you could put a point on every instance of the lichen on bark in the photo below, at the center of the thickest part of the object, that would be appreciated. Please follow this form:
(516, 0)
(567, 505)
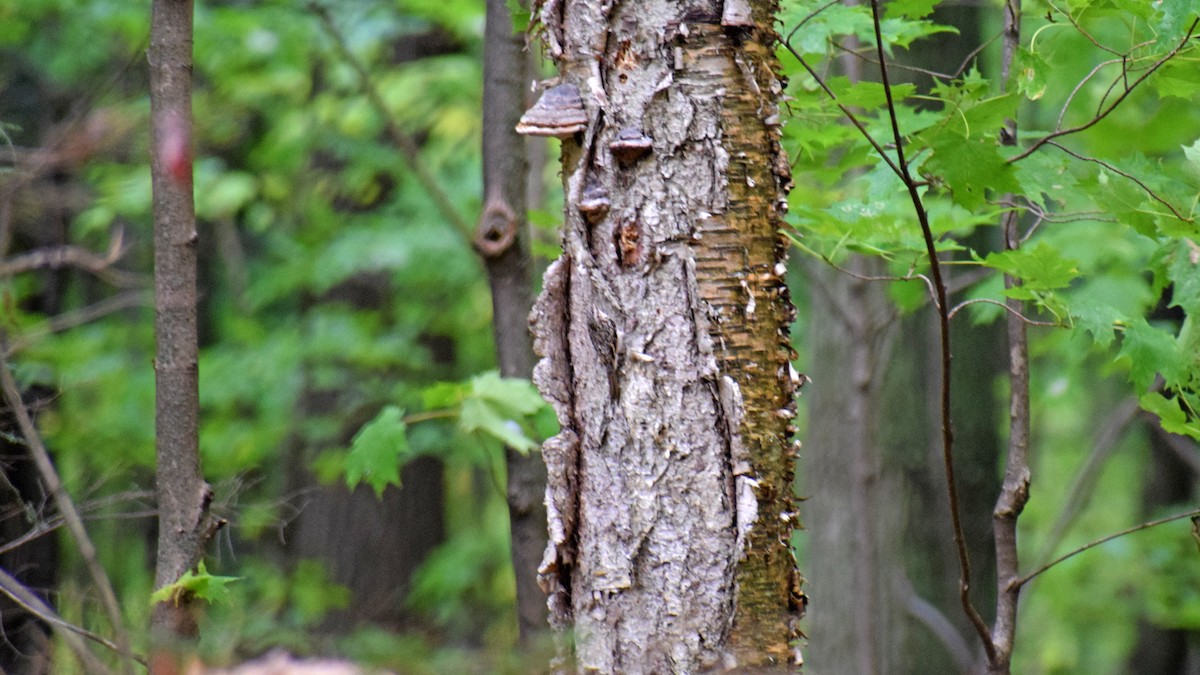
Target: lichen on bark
(663, 332)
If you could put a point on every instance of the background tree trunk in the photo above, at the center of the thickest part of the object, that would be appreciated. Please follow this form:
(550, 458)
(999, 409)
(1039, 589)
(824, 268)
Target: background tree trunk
(879, 554)
(664, 331)
(855, 545)
(509, 267)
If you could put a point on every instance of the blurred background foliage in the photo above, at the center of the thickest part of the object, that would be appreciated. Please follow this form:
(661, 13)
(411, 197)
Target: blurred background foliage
(1108, 267)
(333, 291)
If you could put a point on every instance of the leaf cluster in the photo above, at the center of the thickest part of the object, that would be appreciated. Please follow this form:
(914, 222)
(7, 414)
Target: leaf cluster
(1103, 175)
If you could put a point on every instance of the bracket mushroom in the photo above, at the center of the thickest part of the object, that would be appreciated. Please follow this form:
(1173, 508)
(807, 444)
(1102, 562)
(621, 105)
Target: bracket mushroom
(559, 112)
(630, 145)
(593, 201)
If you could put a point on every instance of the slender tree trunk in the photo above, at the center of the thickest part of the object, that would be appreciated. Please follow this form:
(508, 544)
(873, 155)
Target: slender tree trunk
(184, 522)
(503, 241)
(664, 331)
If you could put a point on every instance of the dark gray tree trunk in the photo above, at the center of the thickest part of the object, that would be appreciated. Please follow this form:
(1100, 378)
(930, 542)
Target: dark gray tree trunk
(503, 241)
(664, 332)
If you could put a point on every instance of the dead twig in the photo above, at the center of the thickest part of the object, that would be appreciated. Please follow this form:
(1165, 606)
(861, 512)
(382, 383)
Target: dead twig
(66, 507)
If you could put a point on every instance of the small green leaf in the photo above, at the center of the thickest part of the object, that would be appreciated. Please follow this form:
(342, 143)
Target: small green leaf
(1096, 318)
(480, 414)
(199, 584)
(1173, 418)
(911, 9)
(1039, 267)
(378, 450)
(1149, 351)
(1184, 273)
(516, 396)
(1192, 154)
(1029, 75)
(969, 167)
(865, 94)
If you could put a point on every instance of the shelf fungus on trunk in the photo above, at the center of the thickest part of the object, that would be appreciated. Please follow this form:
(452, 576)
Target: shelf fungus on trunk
(630, 145)
(559, 113)
(593, 201)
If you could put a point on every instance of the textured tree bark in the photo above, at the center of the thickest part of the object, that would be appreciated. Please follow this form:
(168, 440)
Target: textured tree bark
(664, 332)
(184, 522)
(503, 241)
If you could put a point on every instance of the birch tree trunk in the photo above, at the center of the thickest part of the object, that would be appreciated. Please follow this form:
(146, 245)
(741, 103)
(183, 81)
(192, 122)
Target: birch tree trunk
(664, 335)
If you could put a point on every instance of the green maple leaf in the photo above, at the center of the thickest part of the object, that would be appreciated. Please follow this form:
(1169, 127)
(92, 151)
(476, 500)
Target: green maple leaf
(969, 167)
(1039, 267)
(199, 584)
(378, 450)
(1150, 351)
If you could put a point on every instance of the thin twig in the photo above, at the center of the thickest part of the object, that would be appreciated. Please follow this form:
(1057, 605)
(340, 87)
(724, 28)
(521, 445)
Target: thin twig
(70, 633)
(1129, 530)
(943, 312)
(75, 256)
(1080, 493)
(66, 507)
(811, 15)
(408, 148)
(862, 54)
(1112, 106)
(962, 68)
(845, 111)
(1021, 317)
(940, 625)
(78, 317)
(1079, 86)
(1083, 32)
(1134, 179)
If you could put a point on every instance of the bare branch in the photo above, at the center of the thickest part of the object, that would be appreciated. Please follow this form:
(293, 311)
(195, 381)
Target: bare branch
(811, 15)
(1079, 86)
(845, 111)
(1021, 317)
(41, 458)
(70, 633)
(928, 614)
(943, 312)
(78, 317)
(1112, 106)
(1129, 530)
(75, 256)
(1083, 32)
(1153, 195)
(1082, 487)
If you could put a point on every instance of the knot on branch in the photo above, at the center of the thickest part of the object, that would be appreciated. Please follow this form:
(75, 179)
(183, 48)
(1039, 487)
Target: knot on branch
(497, 230)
